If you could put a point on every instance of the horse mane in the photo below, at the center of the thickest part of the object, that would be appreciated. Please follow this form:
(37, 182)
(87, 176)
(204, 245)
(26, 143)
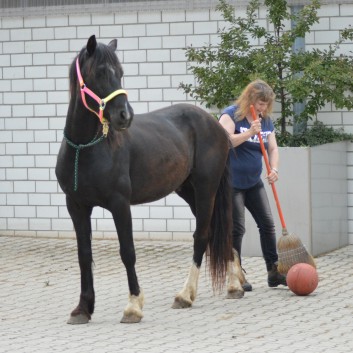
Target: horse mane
(102, 54)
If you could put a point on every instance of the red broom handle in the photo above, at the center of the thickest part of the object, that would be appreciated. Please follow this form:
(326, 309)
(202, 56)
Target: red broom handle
(268, 167)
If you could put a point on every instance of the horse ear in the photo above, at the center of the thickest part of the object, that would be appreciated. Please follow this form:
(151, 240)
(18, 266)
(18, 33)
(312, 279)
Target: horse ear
(91, 44)
(113, 44)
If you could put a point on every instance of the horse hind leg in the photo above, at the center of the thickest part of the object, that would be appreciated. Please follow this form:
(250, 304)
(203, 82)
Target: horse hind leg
(235, 279)
(187, 295)
(201, 204)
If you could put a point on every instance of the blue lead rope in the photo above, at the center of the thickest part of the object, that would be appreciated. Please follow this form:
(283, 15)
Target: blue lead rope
(78, 148)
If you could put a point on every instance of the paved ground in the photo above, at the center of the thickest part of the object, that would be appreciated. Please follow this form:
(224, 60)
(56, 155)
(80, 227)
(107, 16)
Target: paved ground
(39, 286)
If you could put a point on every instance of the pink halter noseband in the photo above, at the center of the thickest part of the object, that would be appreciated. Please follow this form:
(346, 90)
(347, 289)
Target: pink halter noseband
(101, 101)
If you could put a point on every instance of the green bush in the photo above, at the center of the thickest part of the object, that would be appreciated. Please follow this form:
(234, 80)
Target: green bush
(311, 79)
(317, 134)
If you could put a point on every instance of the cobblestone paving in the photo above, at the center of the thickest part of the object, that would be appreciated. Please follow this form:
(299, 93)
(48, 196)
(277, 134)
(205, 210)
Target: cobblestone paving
(39, 286)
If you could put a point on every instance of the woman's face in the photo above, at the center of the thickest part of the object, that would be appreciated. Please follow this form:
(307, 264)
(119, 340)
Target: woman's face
(260, 107)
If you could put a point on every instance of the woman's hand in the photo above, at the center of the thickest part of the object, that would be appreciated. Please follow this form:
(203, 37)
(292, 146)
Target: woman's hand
(255, 127)
(272, 177)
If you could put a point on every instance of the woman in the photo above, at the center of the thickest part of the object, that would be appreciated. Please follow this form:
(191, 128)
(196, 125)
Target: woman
(246, 166)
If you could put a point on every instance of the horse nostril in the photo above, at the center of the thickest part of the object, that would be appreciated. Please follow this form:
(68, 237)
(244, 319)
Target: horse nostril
(123, 115)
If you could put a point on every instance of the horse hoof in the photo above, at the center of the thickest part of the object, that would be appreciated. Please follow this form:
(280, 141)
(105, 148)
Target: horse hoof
(180, 303)
(235, 294)
(78, 319)
(130, 319)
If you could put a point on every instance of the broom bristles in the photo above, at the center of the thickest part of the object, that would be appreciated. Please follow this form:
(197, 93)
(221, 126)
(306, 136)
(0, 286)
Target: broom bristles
(291, 251)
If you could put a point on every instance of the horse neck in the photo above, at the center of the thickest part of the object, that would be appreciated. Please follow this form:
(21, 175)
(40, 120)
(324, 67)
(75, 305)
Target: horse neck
(82, 126)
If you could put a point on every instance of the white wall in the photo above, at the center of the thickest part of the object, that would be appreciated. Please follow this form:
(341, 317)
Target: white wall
(35, 53)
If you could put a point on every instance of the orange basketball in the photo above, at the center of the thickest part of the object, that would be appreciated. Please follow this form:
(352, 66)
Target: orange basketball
(302, 279)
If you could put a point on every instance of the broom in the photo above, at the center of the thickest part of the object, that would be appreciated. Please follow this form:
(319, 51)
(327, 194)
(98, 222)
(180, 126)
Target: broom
(290, 248)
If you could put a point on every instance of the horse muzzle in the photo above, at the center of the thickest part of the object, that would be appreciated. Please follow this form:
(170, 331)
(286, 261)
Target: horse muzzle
(120, 119)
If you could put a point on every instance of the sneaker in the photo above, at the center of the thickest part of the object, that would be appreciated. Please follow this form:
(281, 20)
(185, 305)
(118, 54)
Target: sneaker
(274, 278)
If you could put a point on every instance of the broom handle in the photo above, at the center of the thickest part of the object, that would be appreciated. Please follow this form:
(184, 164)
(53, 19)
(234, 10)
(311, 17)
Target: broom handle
(268, 167)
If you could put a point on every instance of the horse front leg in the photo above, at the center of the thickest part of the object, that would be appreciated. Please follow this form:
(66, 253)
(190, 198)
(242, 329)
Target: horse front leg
(123, 222)
(235, 278)
(81, 217)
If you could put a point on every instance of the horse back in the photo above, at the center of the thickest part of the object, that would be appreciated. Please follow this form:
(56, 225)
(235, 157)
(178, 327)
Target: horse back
(183, 124)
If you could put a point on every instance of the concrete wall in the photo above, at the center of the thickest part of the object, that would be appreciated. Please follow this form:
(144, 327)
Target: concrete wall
(312, 191)
(294, 192)
(329, 197)
(35, 52)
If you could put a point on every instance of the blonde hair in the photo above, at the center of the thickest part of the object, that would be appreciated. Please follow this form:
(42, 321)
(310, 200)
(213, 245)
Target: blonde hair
(253, 92)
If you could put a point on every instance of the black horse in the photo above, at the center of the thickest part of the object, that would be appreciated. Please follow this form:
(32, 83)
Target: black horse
(116, 161)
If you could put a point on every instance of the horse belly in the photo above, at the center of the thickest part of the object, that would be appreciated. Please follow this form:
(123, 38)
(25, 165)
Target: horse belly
(155, 180)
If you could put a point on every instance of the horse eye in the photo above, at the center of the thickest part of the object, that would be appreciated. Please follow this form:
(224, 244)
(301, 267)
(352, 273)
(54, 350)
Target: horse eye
(101, 68)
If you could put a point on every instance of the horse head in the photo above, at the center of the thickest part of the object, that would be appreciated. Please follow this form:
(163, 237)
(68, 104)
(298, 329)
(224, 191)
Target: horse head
(99, 75)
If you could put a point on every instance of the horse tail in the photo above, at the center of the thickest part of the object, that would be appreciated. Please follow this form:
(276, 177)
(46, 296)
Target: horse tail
(220, 245)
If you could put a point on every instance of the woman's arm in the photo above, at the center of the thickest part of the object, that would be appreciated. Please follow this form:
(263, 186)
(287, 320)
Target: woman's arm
(273, 156)
(237, 139)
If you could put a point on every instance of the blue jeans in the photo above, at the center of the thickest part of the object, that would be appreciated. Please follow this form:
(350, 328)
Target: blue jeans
(256, 201)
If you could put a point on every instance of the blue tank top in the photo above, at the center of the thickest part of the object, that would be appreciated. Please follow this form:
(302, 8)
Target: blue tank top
(246, 159)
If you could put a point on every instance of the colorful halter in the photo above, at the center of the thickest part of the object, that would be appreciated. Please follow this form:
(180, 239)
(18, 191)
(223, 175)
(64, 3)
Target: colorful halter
(101, 101)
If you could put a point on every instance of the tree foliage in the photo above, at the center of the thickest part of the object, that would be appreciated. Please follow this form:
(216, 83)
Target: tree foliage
(311, 77)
